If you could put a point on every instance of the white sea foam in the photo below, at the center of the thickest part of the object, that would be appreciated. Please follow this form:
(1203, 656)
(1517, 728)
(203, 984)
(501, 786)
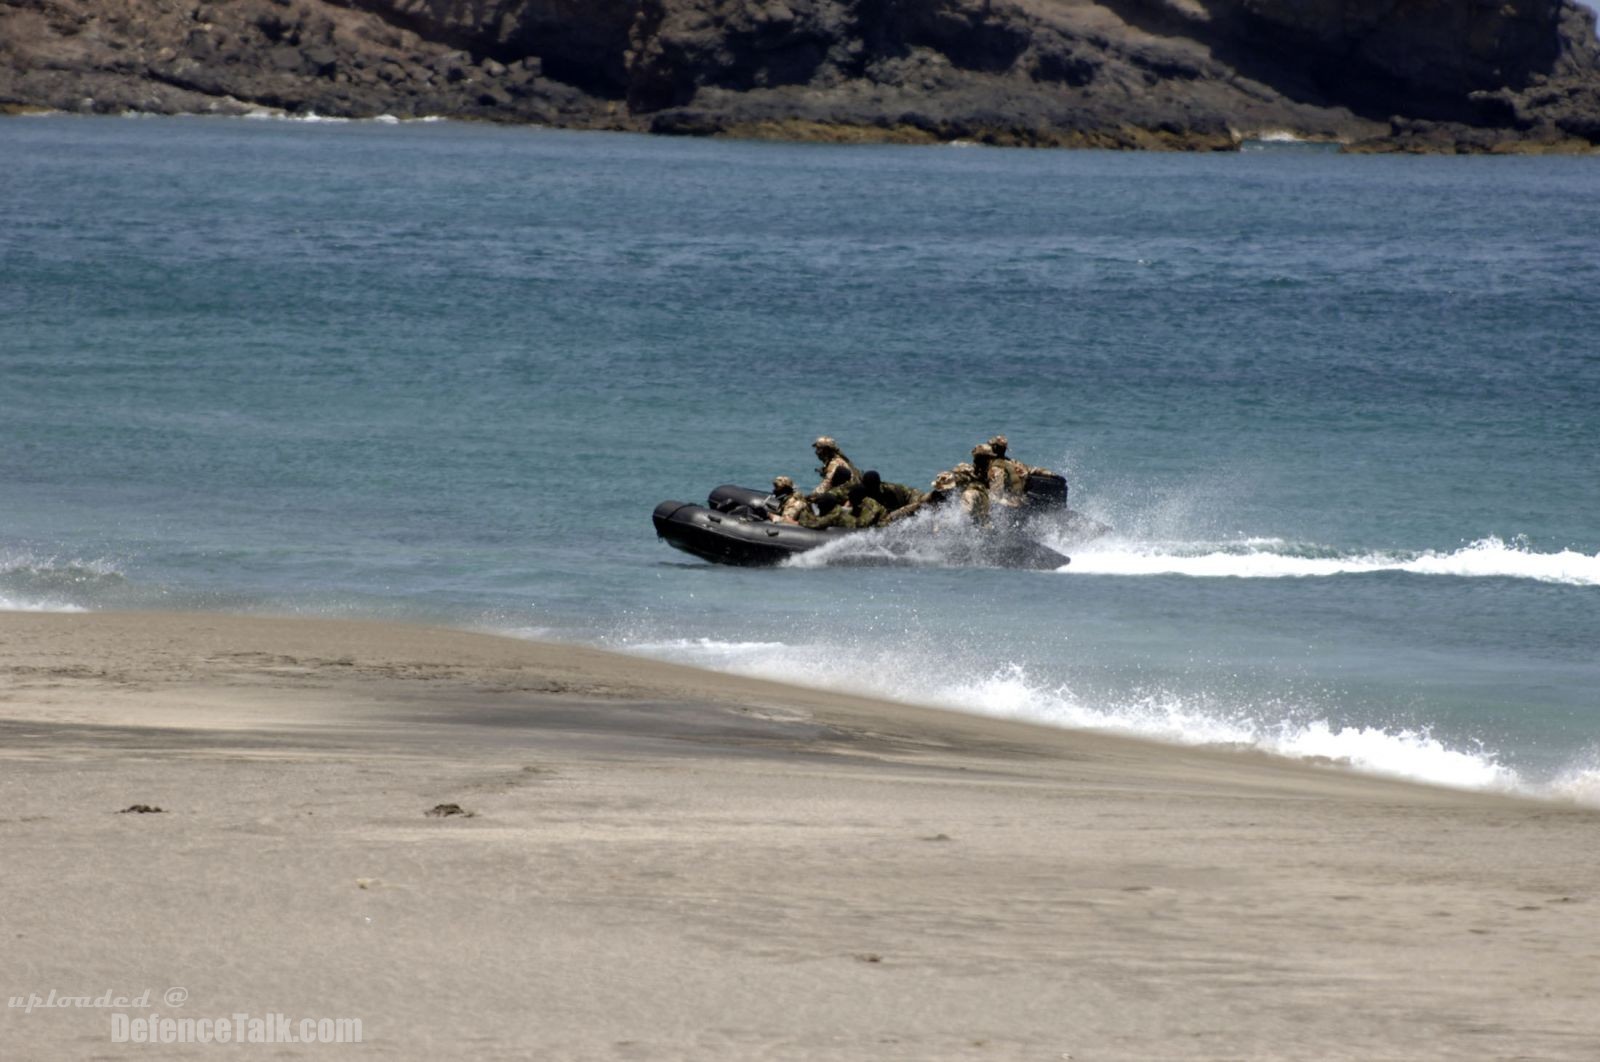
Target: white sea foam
(10, 603)
(1580, 781)
(1187, 719)
(1274, 559)
(34, 582)
(273, 114)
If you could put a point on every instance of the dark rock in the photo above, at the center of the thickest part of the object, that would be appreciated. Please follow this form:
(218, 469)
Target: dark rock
(1456, 75)
(321, 61)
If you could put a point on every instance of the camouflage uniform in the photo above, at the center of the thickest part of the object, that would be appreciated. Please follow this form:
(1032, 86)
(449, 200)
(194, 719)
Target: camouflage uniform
(840, 479)
(943, 485)
(897, 495)
(787, 506)
(832, 459)
(1008, 479)
(836, 516)
(793, 508)
(1008, 482)
(869, 513)
(940, 491)
(975, 503)
(972, 493)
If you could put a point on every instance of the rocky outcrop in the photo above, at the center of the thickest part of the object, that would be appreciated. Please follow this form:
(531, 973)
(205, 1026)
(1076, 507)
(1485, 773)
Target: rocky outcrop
(235, 56)
(1427, 75)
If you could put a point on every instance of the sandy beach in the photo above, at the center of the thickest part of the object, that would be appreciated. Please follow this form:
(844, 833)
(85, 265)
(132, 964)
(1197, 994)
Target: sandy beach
(657, 862)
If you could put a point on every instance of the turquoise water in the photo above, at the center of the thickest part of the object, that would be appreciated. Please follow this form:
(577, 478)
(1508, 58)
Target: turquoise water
(1342, 412)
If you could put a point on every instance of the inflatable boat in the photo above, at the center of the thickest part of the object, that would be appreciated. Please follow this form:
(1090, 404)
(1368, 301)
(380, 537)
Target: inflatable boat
(734, 527)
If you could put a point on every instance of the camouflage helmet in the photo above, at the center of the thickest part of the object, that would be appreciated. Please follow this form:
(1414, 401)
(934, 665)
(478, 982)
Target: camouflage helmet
(825, 443)
(983, 451)
(999, 445)
(944, 481)
(964, 474)
(782, 485)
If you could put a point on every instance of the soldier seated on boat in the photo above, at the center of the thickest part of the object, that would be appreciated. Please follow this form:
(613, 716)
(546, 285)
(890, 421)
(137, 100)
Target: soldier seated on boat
(865, 510)
(829, 513)
(837, 484)
(892, 496)
(1008, 479)
(972, 491)
(786, 505)
(941, 491)
(832, 459)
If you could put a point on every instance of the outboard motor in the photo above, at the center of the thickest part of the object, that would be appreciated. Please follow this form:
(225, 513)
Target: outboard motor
(1046, 490)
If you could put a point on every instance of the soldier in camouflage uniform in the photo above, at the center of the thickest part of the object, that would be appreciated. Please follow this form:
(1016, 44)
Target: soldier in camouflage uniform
(972, 489)
(942, 490)
(865, 510)
(892, 496)
(837, 485)
(786, 505)
(832, 459)
(829, 514)
(1008, 479)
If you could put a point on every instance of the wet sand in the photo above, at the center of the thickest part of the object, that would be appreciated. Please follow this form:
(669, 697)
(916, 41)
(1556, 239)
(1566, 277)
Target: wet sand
(658, 862)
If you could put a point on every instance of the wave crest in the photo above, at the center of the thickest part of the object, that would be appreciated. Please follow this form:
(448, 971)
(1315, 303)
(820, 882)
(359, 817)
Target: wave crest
(33, 582)
(1282, 728)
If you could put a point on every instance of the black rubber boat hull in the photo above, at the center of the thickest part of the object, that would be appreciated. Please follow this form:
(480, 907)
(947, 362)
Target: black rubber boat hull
(727, 538)
(733, 529)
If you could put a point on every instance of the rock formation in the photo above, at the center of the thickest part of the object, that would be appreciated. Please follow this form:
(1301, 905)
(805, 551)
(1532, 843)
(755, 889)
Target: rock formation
(1419, 75)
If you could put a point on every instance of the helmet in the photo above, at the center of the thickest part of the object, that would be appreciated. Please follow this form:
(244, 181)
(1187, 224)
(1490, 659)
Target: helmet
(999, 444)
(944, 481)
(782, 485)
(826, 442)
(873, 481)
(982, 450)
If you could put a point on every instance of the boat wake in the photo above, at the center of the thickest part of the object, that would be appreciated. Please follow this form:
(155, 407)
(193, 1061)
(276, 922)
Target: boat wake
(942, 540)
(1277, 559)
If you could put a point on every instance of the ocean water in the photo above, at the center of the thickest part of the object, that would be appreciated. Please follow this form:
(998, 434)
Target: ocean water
(1343, 414)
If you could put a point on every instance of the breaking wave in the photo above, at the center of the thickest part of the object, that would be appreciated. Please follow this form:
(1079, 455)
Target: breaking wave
(1284, 728)
(31, 582)
(312, 117)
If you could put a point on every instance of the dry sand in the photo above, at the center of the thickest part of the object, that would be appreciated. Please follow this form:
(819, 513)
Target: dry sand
(665, 863)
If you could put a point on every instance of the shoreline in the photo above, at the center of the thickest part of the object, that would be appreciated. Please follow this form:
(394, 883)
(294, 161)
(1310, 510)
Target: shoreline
(653, 861)
(800, 131)
(600, 671)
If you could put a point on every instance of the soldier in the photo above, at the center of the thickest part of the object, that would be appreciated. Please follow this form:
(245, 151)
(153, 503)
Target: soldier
(942, 490)
(865, 510)
(837, 484)
(891, 496)
(832, 459)
(829, 514)
(983, 463)
(1008, 479)
(971, 489)
(786, 506)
